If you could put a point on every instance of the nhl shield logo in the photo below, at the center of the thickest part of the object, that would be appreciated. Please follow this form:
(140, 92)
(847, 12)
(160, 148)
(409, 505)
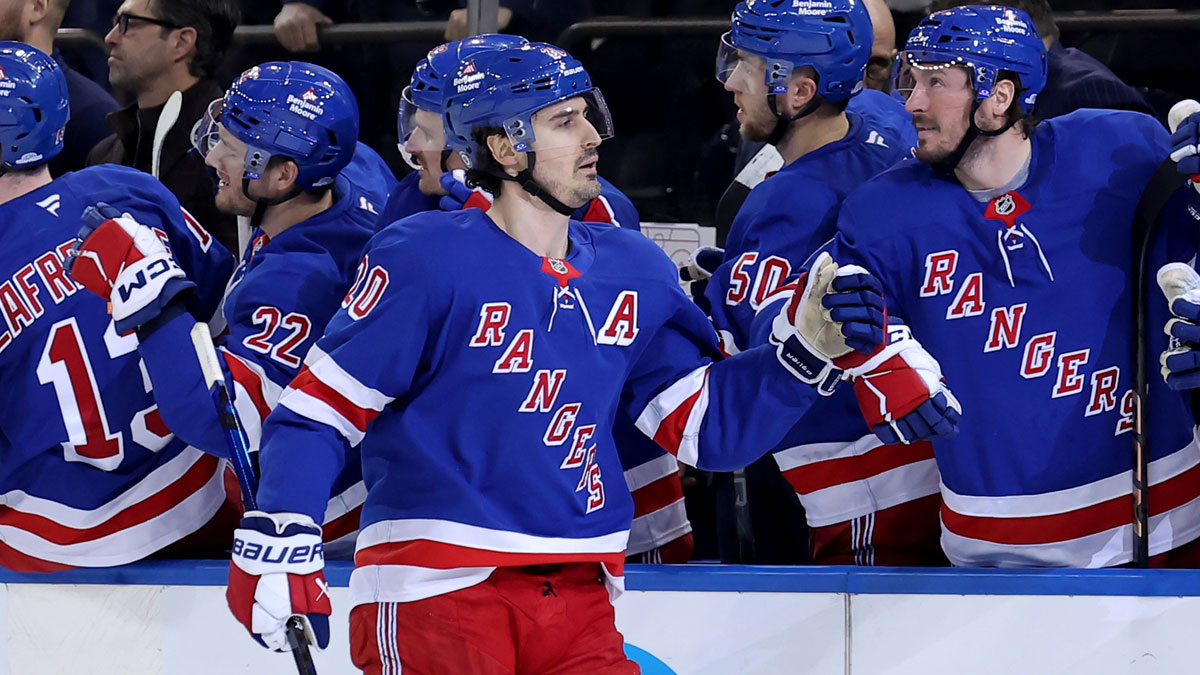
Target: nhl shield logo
(1005, 205)
(557, 265)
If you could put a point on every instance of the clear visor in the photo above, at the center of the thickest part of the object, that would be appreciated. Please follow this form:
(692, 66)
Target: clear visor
(564, 127)
(740, 71)
(206, 132)
(904, 69)
(420, 130)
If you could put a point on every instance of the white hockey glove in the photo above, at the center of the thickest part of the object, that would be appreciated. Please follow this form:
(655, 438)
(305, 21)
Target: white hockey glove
(1181, 361)
(833, 313)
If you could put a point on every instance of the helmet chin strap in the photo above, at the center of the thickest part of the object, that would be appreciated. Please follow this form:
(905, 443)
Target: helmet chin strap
(526, 181)
(950, 163)
(783, 122)
(261, 203)
(446, 152)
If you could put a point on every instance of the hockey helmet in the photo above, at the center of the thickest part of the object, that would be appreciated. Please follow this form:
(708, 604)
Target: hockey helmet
(34, 108)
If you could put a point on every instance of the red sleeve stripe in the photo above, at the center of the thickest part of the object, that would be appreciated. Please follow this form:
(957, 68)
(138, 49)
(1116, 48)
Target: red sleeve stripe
(312, 398)
(809, 478)
(251, 382)
(673, 418)
(331, 373)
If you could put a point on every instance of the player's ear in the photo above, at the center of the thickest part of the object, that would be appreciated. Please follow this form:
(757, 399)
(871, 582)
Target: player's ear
(502, 151)
(802, 89)
(283, 176)
(996, 106)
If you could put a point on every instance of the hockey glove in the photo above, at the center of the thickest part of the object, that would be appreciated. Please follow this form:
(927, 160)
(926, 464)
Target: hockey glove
(126, 263)
(458, 196)
(833, 313)
(276, 573)
(901, 393)
(1181, 362)
(701, 265)
(1184, 120)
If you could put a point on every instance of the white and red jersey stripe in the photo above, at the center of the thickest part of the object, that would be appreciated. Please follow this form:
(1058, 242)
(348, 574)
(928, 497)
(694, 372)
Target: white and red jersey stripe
(413, 559)
(172, 501)
(326, 393)
(837, 482)
(659, 514)
(673, 418)
(1085, 526)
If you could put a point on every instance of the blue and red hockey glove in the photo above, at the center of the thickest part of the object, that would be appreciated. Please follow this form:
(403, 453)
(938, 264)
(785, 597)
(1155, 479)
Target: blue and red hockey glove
(1184, 120)
(127, 264)
(458, 196)
(701, 265)
(277, 573)
(902, 394)
(1181, 361)
(835, 313)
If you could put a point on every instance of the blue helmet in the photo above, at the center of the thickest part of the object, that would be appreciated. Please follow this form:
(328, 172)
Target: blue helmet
(424, 90)
(985, 40)
(34, 109)
(833, 37)
(296, 110)
(505, 86)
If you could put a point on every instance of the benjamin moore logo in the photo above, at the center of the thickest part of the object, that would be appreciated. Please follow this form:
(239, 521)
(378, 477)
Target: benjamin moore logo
(651, 664)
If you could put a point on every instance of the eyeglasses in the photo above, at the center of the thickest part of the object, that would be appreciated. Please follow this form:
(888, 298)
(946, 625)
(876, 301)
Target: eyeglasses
(122, 20)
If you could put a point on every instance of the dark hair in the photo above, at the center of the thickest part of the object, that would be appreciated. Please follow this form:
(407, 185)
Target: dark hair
(213, 20)
(1038, 10)
(487, 171)
(1015, 113)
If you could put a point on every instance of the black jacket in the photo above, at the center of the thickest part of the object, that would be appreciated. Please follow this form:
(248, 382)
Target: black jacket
(181, 170)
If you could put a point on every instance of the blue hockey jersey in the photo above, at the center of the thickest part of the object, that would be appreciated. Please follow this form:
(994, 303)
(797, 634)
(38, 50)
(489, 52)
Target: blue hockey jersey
(89, 474)
(887, 112)
(486, 379)
(1025, 302)
(838, 468)
(276, 307)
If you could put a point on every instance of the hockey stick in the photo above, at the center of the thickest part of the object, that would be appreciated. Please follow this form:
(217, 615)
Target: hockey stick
(1158, 191)
(235, 436)
(166, 120)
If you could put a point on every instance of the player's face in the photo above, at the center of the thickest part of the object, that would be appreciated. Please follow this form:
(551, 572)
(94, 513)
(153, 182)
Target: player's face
(566, 146)
(748, 84)
(228, 158)
(425, 144)
(139, 54)
(939, 99)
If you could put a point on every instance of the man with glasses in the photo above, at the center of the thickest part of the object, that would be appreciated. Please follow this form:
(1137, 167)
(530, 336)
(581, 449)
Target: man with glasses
(157, 48)
(1006, 252)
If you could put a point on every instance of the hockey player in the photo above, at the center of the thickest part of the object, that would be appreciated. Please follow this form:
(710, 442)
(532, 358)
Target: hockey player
(1005, 250)
(792, 70)
(278, 142)
(89, 475)
(438, 180)
(661, 532)
(481, 362)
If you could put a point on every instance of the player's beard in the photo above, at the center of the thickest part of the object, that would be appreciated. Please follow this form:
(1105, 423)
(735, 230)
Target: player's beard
(943, 150)
(757, 126)
(579, 189)
(232, 202)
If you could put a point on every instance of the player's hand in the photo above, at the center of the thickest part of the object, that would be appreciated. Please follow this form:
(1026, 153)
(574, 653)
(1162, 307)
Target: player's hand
(1181, 363)
(833, 313)
(458, 196)
(902, 394)
(125, 263)
(276, 573)
(1184, 121)
(296, 26)
(700, 267)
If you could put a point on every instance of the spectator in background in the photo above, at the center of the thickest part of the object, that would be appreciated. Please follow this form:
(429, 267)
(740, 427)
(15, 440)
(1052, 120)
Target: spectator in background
(878, 75)
(159, 47)
(35, 22)
(539, 21)
(1075, 80)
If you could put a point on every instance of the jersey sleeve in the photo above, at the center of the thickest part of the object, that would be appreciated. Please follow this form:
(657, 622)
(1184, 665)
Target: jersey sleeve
(612, 206)
(347, 379)
(716, 415)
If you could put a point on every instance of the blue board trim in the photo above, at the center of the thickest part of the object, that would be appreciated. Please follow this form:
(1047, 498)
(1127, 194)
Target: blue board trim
(731, 578)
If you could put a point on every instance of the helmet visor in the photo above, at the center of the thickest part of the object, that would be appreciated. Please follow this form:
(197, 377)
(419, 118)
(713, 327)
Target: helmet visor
(420, 130)
(905, 79)
(206, 130)
(739, 70)
(565, 126)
